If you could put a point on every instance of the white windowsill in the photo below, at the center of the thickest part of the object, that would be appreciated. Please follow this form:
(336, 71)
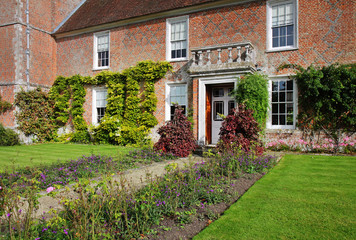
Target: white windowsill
(282, 49)
(100, 68)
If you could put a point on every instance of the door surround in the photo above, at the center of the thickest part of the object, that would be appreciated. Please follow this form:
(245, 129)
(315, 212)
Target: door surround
(202, 100)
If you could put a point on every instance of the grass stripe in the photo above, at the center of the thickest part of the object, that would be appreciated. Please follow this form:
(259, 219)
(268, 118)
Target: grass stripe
(304, 197)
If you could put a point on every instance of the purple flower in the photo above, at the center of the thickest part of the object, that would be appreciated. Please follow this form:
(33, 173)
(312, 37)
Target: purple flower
(8, 215)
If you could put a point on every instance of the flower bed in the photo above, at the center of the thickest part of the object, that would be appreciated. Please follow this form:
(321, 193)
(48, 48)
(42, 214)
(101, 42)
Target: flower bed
(347, 145)
(113, 210)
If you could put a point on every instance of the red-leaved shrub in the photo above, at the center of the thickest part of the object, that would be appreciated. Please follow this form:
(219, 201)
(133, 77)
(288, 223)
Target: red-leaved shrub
(176, 136)
(240, 130)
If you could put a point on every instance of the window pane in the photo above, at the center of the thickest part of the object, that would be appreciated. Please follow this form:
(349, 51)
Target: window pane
(290, 108)
(282, 108)
(290, 40)
(290, 96)
(289, 119)
(274, 119)
(282, 85)
(275, 97)
(282, 96)
(275, 32)
(282, 119)
(218, 92)
(231, 106)
(275, 86)
(218, 109)
(290, 85)
(275, 108)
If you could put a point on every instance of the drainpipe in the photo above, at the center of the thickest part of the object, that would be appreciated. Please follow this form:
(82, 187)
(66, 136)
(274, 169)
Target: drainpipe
(28, 45)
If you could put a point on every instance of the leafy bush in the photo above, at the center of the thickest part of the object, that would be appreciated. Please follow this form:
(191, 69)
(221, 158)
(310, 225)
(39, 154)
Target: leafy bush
(328, 100)
(240, 130)
(252, 91)
(4, 106)
(176, 136)
(8, 137)
(35, 115)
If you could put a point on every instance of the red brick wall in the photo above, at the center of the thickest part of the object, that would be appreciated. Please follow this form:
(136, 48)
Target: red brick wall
(326, 35)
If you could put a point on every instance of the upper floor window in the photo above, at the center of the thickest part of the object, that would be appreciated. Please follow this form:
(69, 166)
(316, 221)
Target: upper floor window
(177, 38)
(283, 96)
(282, 29)
(101, 50)
(99, 104)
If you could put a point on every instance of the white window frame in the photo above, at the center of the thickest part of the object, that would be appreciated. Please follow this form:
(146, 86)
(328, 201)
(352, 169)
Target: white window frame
(270, 4)
(168, 98)
(169, 23)
(94, 106)
(95, 50)
(295, 103)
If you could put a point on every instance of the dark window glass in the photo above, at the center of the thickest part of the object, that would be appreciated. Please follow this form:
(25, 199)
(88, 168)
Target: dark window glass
(218, 109)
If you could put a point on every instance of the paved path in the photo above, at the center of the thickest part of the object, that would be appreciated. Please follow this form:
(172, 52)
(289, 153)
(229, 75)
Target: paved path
(134, 178)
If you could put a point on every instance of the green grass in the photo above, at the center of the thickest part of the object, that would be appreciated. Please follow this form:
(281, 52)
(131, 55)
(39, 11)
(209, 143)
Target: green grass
(45, 154)
(303, 197)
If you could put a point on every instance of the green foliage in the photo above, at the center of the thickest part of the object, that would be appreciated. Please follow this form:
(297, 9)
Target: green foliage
(68, 94)
(327, 102)
(252, 91)
(4, 106)
(8, 137)
(35, 115)
(131, 103)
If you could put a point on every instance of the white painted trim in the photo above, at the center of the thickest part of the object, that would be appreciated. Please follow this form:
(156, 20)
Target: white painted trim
(269, 47)
(168, 99)
(202, 100)
(95, 46)
(295, 97)
(94, 113)
(169, 22)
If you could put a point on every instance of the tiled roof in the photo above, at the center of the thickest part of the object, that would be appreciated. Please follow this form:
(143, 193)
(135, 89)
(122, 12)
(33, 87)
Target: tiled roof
(97, 12)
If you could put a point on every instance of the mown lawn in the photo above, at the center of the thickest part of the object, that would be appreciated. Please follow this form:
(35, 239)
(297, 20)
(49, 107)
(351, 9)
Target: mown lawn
(44, 154)
(303, 197)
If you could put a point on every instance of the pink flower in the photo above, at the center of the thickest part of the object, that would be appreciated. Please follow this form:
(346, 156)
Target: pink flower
(50, 189)
(0, 187)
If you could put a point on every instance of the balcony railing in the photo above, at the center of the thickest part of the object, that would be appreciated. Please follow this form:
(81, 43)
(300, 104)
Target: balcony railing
(223, 57)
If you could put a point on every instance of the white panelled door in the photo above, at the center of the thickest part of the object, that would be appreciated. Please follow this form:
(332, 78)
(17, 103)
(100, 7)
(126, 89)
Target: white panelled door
(222, 103)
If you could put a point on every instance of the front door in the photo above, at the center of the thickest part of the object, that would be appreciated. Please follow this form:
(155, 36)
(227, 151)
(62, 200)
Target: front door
(221, 104)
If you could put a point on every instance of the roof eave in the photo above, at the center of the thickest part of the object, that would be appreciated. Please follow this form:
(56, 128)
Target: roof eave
(139, 19)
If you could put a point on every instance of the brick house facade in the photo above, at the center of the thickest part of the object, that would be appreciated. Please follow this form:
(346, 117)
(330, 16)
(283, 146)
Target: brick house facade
(209, 43)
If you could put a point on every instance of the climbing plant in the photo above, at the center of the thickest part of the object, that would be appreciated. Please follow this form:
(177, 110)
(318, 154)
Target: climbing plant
(252, 91)
(68, 94)
(327, 102)
(35, 116)
(131, 103)
(4, 106)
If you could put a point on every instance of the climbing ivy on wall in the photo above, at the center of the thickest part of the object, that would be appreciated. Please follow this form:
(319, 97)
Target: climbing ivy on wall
(4, 106)
(131, 103)
(68, 94)
(35, 115)
(130, 106)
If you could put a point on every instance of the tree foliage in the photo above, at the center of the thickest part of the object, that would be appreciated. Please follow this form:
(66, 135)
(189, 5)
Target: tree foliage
(327, 99)
(252, 91)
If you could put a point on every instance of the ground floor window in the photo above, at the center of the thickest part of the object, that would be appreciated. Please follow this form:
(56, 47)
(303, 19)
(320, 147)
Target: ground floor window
(177, 96)
(283, 103)
(99, 104)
